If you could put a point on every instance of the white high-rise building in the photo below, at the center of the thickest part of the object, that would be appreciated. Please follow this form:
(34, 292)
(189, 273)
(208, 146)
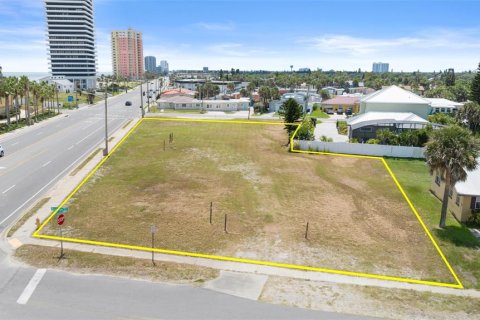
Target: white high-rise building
(71, 41)
(164, 67)
(380, 67)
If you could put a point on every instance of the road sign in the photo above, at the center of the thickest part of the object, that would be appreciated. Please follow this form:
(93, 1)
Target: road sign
(61, 210)
(153, 228)
(70, 99)
(61, 219)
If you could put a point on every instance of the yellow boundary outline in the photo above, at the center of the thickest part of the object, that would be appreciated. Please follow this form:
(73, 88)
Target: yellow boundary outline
(457, 285)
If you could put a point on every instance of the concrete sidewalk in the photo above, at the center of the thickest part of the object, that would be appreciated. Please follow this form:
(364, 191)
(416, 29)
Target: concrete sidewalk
(328, 128)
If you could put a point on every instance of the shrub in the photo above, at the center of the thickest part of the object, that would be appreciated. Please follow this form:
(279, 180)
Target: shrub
(373, 141)
(306, 131)
(474, 220)
(326, 139)
(342, 127)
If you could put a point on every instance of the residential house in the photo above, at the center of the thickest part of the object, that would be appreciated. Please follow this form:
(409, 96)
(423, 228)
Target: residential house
(189, 103)
(440, 105)
(343, 102)
(365, 126)
(395, 99)
(61, 83)
(465, 196)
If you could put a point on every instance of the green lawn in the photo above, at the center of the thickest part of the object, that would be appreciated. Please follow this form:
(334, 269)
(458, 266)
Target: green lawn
(358, 220)
(319, 114)
(457, 243)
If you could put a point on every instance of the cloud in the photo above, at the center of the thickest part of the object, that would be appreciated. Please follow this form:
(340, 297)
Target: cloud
(239, 50)
(215, 26)
(426, 40)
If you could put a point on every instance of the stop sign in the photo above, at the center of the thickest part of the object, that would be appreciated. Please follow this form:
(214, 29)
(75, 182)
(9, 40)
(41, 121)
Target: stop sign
(61, 219)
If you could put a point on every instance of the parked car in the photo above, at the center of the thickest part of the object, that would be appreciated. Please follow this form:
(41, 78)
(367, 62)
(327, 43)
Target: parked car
(128, 103)
(348, 112)
(340, 110)
(2, 152)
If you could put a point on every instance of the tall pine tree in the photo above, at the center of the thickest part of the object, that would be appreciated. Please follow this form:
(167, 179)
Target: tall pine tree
(475, 89)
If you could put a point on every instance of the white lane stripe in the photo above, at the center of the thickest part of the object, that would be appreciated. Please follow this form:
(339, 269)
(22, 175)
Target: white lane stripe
(86, 137)
(14, 144)
(9, 189)
(3, 168)
(31, 286)
(70, 148)
(61, 173)
(46, 164)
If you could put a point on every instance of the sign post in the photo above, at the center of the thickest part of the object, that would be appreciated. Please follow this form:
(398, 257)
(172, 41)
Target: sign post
(60, 221)
(153, 229)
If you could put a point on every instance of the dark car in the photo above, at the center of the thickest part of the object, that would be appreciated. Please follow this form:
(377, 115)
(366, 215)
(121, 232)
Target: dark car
(128, 103)
(348, 112)
(340, 110)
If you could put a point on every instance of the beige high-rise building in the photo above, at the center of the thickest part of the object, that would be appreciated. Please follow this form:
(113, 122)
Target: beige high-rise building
(127, 54)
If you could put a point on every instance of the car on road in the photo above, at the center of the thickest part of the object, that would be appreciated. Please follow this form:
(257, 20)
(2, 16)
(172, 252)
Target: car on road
(2, 152)
(128, 103)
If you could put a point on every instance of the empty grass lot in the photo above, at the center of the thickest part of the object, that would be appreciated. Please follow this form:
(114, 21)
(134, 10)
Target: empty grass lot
(358, 220)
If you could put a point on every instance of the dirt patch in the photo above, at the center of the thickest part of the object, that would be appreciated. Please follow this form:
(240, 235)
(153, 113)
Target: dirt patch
(369, 301)
(86, 262)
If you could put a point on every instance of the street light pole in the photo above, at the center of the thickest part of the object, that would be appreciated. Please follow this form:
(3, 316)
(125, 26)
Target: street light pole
(105, 151)
(141, 99)
(148, 96)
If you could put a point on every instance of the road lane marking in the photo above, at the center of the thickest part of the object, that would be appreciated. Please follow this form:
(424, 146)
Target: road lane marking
(70, 148)
(86, 137)
(9, 189)
(39, 133)
(82, 157)
(31, 286)
(3, 168)
(14, 144)
(46, 164)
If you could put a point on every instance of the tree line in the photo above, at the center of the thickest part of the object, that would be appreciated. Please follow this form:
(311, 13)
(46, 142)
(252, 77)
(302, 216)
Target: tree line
(18, 92)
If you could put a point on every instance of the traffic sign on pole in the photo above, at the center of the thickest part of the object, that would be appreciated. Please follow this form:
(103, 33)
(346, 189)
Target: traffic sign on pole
(61, 219)
(61, 210)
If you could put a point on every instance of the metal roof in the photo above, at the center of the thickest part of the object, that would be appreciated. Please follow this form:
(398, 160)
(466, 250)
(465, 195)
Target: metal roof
(394, 94)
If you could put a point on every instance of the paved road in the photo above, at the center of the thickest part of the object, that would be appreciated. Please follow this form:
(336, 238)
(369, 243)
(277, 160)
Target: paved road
(60, 295)
(37, 157)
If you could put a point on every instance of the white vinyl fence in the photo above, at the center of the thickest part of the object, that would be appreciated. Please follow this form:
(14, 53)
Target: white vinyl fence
(361, 149)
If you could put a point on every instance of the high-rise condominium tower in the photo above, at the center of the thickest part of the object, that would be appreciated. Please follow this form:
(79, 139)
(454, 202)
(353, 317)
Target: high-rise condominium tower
(127, 54)
(151, 64)
(71, 41)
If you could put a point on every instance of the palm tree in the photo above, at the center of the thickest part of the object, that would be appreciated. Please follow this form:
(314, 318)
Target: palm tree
(23, 84)
(451, 151)
(35, 88)
(9, 89)
(42, 92)
(16, 90)
(469, 115)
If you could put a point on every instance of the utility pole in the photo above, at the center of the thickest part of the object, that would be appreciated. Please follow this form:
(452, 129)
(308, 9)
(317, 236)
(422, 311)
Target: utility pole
(105, 151)
(141, 99)
(148, 96)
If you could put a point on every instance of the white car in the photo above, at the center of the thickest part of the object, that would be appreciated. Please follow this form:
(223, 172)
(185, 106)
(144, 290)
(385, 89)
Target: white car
(2, 152)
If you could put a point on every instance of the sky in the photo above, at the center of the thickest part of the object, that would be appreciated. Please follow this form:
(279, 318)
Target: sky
(423, 35)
